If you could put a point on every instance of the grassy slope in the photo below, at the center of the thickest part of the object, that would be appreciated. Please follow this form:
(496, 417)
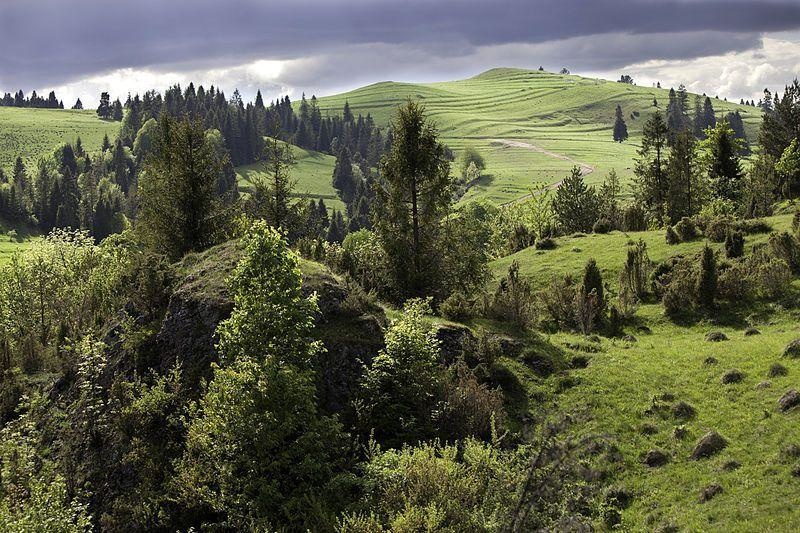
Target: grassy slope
(8, 245)
(568, 115)
(621, 381)
(609, 251)
(313, 172)
(32, 133)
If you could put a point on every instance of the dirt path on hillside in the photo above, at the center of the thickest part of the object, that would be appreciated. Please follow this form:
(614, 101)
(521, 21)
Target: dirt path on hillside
(585, 169)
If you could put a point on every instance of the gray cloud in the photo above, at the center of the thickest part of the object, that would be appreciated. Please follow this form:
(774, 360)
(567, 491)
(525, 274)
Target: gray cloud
(52, 42)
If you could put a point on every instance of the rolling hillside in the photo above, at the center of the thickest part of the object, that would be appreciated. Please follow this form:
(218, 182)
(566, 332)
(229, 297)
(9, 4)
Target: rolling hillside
(631, 387)
(32, 133)
(531, 126)
(313, 172)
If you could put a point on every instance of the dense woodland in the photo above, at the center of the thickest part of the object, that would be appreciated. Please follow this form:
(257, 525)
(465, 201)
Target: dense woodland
(177, 356)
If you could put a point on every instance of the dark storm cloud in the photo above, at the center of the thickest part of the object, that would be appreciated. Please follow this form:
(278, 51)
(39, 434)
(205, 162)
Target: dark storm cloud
(48, 42)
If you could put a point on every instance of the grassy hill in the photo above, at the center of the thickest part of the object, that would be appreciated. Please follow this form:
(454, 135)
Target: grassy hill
(628, 389)
(12, 242)
(313, 172)
(32, 133)
(570, 117)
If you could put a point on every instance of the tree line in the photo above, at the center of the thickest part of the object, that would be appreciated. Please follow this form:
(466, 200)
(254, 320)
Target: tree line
(18, 99)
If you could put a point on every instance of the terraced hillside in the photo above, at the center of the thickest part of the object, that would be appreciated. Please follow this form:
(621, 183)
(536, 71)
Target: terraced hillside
(32, 133)
(531, 126)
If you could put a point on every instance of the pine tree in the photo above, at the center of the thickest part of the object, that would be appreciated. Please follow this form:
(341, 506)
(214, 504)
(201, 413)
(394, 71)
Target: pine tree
(722, 163)
(651, 181)
(620, 128)
(414, 198)
(104, 109)
(593, 281)
(575, 205)
(116, 111)
(684, 190)
(78, 104)
(179, 211)
(277, 187)
(343, 178)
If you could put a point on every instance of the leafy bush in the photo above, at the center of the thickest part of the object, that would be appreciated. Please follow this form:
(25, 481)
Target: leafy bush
(634, 218)
(469, 408)
(636, 271)
(457, 307)
(557, 301)
(686, 229)
(734, 244)
(513, 299)
(671, 236)
(364, 259)
(706, 282)
(718, 228)
(602, 226)
(785, 247)
(398, 390)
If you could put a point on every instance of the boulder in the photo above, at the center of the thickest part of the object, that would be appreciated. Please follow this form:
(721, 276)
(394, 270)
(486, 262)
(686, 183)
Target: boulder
(749, 332)
(709, 445)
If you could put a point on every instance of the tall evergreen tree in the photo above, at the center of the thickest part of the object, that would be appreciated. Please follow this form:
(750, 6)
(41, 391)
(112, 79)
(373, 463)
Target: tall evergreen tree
(651, 180)
(412, 201)
(620, 128)
(575, 204)
(722, 163)
(104, 109)
(179, 211)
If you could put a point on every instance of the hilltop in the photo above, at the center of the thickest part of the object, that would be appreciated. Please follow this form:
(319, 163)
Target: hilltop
(532, 126)
(31, 133)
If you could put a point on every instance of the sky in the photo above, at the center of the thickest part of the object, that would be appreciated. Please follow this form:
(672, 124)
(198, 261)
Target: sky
(725, 48)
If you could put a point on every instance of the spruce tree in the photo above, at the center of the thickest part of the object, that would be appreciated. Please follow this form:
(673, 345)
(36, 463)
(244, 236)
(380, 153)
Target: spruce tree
(706, 283)
(651, 181)
(413, 200)
(722, 163)
(620, 128)
(104, 109)
(575, 205)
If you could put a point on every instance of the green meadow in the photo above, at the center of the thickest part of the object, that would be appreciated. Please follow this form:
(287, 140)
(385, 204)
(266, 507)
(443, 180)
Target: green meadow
(32, 133)
(568, 116)
(313, 174)
(629, 387)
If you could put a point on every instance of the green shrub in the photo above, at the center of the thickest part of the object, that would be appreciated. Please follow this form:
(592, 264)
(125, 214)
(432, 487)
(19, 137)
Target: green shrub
(718, 228)
(634, 218)
(672, 236)
(557, 301)
(784, 246)
(706, 282)
(469, 408)
(734, 244)
(602, 226)
(686, 229)
(457, 307)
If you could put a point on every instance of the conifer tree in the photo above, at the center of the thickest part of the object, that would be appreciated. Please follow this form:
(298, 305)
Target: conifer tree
(104, 109)
(620, 128)
(414, 198)
(651, 180)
